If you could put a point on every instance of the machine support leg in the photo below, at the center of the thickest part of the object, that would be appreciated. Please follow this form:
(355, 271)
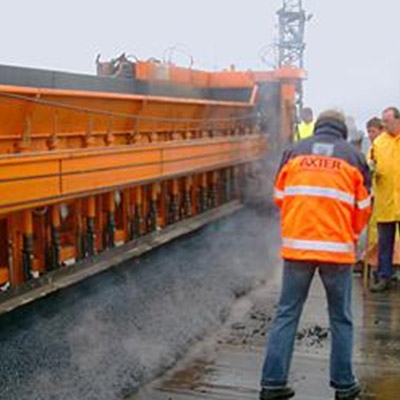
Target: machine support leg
(137, 219)
(152, 216)
(188, 197)
(111, 224)
(90, 227)
(203, 193)
(27, 246)
(214, 189)
(55, 248)
(174, 206)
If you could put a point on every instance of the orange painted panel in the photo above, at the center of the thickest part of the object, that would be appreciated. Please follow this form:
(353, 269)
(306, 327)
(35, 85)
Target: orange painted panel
(180, 75)
(263, 76)
(210, 147)
(10, 171)
(111, 160)
(27, 181)
(67, 119)
(78, 183)
(288, 92)
(192, 152)
(187, 166)
(290, 73)
(15, 192)
(200, 79)
(231, 79)
(142, 71)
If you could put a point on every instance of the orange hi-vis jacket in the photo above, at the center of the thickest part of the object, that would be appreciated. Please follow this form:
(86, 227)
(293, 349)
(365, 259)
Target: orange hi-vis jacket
(323, 191)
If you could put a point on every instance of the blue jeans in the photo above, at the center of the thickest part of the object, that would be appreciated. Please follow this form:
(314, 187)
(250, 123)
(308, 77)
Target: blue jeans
(297, 277)
(386, 239)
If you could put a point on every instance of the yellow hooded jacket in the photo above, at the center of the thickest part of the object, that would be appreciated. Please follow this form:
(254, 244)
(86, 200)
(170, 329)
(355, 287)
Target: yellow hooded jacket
(386, 157)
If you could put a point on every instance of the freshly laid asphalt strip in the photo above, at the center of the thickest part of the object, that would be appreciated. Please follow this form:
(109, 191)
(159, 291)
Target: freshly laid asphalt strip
(106, 336)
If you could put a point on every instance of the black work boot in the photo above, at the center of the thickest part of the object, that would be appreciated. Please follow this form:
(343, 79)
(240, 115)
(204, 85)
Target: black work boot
(381, 285)
(283, 393)
(348, 394)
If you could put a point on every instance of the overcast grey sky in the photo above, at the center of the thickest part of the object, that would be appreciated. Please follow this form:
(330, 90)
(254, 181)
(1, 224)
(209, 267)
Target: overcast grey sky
(353, 58)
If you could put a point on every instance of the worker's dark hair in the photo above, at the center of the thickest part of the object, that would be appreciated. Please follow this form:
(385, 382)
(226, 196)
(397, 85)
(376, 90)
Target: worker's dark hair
(375, 123)
(307, 110)
(394, 110)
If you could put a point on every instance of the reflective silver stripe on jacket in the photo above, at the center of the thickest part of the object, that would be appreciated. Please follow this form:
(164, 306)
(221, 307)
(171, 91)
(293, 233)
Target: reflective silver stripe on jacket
(364, 204)
(320, 192)
(318, 245)
(279, 194)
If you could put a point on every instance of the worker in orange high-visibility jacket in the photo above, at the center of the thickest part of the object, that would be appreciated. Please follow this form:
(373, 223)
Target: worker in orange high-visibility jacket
(323, 191)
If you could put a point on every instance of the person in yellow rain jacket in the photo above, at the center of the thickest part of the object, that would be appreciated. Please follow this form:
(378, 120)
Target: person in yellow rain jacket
(386, 161)
(307, 125)
(368, 244)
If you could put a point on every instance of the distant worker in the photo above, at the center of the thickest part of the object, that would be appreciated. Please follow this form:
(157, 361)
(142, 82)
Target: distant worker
(374, 129)
(386, 160)
(322, 189)
(306, 126)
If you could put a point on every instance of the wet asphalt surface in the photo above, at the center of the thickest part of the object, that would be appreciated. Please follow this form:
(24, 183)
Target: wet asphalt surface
(105, 337)
(227, 365)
